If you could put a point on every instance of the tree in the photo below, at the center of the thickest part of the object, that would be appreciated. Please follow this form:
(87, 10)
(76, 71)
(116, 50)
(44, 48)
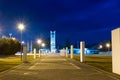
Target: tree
(8, 46)
(67, 43)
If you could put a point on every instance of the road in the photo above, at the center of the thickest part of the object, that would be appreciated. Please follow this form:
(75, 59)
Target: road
(55, 67)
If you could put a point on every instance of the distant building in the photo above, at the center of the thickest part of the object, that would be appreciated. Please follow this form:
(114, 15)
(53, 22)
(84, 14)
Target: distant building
(87, 51)
(29, 46)
(53, 41)
(3, 36)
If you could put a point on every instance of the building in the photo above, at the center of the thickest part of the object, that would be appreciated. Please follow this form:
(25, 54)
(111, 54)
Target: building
(87, 51)
(53, 41)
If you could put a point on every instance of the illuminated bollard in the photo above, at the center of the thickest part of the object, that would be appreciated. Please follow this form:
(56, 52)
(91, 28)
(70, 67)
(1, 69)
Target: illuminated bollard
(66, 51)
(71, 51)
(116, 51)
(34, 53)
(82, 51)
(39, 54)
(24, 54)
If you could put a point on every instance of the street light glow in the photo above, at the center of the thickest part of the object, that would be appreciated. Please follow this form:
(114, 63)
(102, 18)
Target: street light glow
(39, 41)
(100, 46)
(13, 38)
(43, 44)
(21, 26)
(23, 42)
(107, 45)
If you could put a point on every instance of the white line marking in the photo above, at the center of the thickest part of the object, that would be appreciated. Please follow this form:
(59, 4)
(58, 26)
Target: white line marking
(33, 66)
(75, 66)
(26, 73)
(54, 59)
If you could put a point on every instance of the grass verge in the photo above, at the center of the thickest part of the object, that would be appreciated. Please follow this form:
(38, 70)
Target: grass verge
(102, 62)
(11, 61)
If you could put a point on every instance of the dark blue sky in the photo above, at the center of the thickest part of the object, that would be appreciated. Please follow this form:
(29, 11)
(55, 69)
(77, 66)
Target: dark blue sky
(88, 20)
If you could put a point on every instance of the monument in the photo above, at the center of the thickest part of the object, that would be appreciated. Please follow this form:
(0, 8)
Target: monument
(53, 41)
(116, 50)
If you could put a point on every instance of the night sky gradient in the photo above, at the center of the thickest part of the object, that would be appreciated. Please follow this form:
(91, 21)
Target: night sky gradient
(76, 20)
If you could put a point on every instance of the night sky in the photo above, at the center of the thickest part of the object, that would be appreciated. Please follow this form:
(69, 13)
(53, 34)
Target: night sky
(76, 20)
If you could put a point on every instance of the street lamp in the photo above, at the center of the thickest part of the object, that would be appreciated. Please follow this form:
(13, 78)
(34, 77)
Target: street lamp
(43, 44)
(39, 41)
(100, 46)
(21, 28)
(23, 42)
(108, 46)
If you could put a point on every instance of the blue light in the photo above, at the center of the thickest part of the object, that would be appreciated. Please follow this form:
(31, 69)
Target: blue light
(87, 51)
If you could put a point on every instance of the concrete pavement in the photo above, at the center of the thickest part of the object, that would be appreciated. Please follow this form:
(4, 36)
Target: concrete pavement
(55, 67)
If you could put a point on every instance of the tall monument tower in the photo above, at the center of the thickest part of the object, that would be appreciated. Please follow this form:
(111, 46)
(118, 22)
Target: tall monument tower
(53, 41)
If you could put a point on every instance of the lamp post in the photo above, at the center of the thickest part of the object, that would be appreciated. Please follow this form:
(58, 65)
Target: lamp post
(100, 46)
(43, 45)
(21, 28)
(39, 42)
(108, 46)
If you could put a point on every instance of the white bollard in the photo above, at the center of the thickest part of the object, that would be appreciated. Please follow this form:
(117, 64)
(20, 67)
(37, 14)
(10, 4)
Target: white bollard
(24, 54)
(71, 51)
(39, 54)
(116, 51)
(67, 52)
(82, 51)
(34, 53)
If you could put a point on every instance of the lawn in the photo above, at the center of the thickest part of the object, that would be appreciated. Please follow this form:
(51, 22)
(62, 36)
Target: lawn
(11, 61)
(102, 62)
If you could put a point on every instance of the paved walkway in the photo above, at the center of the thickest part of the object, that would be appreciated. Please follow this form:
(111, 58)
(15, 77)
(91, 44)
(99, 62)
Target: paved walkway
(55, 67)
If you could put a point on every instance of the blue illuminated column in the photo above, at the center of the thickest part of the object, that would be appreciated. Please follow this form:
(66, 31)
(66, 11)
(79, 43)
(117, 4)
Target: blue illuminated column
(27, 46)
(53, 41)
(31, 46)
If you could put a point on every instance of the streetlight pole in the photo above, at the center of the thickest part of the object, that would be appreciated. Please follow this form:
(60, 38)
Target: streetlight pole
(21, 28)
(39, 52)
(108, 46)
(21, 45)
(43, 45)
(39, 42)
